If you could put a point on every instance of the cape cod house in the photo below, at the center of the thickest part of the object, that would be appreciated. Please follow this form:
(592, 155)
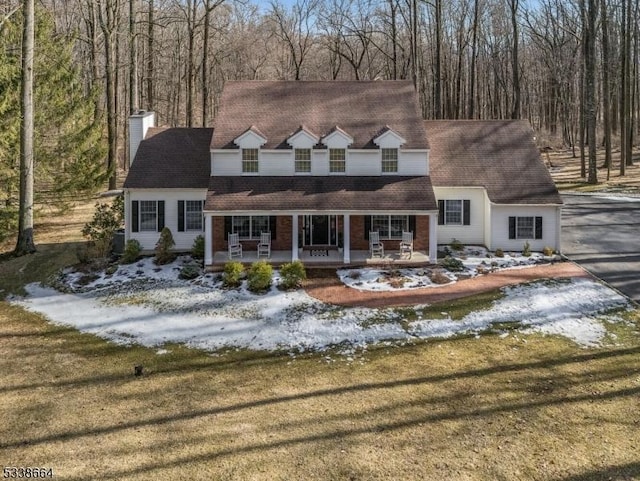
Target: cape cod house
(321, 166)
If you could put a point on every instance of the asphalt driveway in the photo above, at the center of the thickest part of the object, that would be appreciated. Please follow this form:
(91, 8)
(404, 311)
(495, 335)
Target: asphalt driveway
(602, 234)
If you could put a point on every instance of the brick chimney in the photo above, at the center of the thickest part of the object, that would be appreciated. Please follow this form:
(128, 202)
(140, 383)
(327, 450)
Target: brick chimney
(139, 123)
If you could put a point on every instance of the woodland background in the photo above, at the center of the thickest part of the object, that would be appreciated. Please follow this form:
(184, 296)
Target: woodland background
(568, 66)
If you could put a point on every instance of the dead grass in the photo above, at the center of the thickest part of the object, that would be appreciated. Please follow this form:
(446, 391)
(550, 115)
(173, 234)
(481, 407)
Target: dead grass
(476, 409)
(565, 171)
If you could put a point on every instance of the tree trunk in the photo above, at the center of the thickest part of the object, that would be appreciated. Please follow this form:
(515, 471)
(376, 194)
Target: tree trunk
(134, 101)
(205, 67)
(438, 73)
(515, 111)
(590, 87)
(25, 243)
(150, 57)
(472, 73)
(606, 88)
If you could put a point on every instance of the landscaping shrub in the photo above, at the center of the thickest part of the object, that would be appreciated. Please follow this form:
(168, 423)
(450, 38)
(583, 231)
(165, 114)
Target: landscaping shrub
(499, 253)
(107, 219)
(292, 274)
(131, 252)
(526, 250)
(259, 276)
(163, 247)
(189, 271)
(232, 274)
(355, 275)
(456, 245)
(438, 277)
(452, 264)
(548, 251)
(197, 249)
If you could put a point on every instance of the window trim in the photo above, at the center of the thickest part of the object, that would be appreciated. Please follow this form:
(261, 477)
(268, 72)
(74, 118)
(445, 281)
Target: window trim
(536, 227)
(446, 211)
(343, 160)
(296, 160)
(384, 151)
(186, 216)
(245, 162)
(155, 216)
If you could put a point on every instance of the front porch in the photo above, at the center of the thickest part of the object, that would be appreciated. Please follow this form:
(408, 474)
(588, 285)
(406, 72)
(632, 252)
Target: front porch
(332, 258)
(322, 239)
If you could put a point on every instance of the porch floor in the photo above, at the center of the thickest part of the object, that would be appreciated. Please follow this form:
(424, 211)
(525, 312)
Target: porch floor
(332, 258)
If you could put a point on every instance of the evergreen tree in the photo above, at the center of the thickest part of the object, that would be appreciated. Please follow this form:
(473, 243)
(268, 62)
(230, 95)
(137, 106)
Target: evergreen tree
(69, 144)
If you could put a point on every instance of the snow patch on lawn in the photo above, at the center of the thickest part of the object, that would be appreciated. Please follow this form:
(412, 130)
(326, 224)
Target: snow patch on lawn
(475, 261)
(151, 306)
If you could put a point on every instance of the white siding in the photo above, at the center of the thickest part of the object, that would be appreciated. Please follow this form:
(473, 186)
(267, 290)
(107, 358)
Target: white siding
(467, 234)
(320, 162)
(364, 163)
(227, 163)
(500, 227)
(412, 163)
(183, 240)
(359, 163)
(277, 163)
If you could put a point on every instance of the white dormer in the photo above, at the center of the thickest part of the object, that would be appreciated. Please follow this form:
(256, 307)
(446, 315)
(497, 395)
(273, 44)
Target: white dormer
(387, 138)
(251, 138)
(337, 139)
(303, 138)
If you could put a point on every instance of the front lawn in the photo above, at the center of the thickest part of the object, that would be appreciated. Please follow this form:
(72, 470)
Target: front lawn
(492, 403)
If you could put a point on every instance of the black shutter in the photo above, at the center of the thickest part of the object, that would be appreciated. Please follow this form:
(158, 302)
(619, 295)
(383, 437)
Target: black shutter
(538, 227)
(273, 220)
(441, 212)
(466, 212)
(512, 227)
(135, 212)
(181, 216)
(367, 226)
(227, 227)
(160, 215)
(412, 225)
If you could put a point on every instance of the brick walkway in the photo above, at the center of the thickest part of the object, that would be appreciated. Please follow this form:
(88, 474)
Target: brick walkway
(333, 291)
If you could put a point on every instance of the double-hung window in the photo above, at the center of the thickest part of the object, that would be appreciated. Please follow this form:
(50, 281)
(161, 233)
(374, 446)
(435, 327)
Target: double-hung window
(525, 227)
(190, 215)
(454, 212)
(249, 227)
(249, 161)
(302, 161)
(390, 226)
(389, 160)
(337, 161)
(148, 215)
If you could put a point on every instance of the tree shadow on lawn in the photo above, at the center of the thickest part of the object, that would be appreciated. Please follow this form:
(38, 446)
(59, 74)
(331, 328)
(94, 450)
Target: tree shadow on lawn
(479, 374)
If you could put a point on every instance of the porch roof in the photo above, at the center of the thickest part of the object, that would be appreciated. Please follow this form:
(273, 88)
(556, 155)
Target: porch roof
(321, 193)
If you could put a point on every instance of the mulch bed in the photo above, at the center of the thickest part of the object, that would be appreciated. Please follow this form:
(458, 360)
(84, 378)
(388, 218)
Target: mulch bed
(331, 290)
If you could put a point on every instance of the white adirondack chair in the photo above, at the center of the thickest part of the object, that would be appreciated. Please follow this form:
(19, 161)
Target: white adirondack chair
(406, 244)
(264, 247)
(235, 248)
(376, 248)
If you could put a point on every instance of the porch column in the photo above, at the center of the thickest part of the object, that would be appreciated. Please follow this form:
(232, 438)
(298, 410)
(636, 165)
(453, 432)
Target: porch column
(294, 237)
(208, 240)
(346, 238)
(433, 238)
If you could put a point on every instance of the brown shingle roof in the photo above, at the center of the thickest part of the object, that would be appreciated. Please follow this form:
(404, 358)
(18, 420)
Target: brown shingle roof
(278, 108)
(500, 155)
(172, 158)
(332, 193)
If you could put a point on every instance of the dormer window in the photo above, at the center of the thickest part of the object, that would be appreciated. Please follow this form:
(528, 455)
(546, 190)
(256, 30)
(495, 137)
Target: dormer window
(389, 160)
(250, 161)
(302, 161)
(337, 161)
